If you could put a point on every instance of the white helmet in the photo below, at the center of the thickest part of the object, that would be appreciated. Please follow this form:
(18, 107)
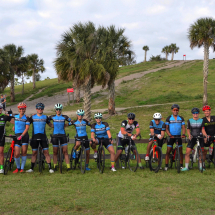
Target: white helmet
(80, 112)
(98, 115)
(58, 106)
(157, 116)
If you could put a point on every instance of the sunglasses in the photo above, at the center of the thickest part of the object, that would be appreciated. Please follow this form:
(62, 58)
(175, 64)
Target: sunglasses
(131, 118)
(80, 114)
(58, 109)
(195, 113)
(157, 119)
(21, 108)
(98, 118)
(175, 109)
(40, 108)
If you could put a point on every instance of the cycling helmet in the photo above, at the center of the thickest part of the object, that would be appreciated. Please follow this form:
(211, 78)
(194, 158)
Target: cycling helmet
(40, 105)
(175, 106)
(157, 116)
(80, 112)
(195, 109)
(131, 115)
(22, 105)
(58, 106)
(98, 115)
(1, 105)
(206, 107)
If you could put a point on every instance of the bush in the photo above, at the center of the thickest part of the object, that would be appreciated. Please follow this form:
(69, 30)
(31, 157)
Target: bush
(156, 58)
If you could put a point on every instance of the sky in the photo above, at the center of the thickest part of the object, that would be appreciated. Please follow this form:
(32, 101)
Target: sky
(37, 25)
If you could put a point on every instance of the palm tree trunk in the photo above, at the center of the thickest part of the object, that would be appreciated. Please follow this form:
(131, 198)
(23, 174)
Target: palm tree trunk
(145, 57)
(34, 82)
(111, 105)
(87, 99)
(22, 84)
(172, 55)
(58, 78)
(166, 56)
(12, 96)
(77, 94)
(205, 73)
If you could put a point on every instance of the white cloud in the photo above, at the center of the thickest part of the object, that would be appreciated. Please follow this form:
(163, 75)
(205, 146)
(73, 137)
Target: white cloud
(156, 9)
(131, 26)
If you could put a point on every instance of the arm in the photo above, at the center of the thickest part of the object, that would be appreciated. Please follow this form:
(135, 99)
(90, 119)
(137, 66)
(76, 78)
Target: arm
(183, 130)
(167, 130)
(152, 131)
(109, 136)
(93, 136)
(137, 133)
(124, 132)
(51, 125)
(23, 133)
(188, 132)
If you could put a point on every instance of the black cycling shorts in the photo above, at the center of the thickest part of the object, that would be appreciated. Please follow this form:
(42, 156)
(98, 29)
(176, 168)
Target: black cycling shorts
(171, 142)
(192, 143)
(160, 142)
(43, 142)
(2, 140)
(105, 142)
(63, 140)
(23, 141)
(209, 142)
(86, 144)
(123, 142)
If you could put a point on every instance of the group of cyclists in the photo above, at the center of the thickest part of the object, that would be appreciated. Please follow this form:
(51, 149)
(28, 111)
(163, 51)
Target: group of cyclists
(174, 126)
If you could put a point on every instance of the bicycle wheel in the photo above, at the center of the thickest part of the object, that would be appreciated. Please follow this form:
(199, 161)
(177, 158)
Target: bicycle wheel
(83, 159)
(12, 163)
(191, 161)
(132, 158)
(7, 162)
(101, 159)
(177, 160)
(199, 154)
(171, 160)
(213, 155)
(40, 161)
(60, 159)
(123, 163)
(156, 162)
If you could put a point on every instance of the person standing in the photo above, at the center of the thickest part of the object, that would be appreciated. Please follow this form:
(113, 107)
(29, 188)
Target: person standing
(3, 100)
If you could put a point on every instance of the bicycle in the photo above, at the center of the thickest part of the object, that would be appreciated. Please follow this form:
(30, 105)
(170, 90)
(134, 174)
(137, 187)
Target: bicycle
(60, 156)
(130, 158)
(175, 154)
(198, 155)
(9, 161)
(209, 161)
(101, 155)
(155, 157)
(80, 154)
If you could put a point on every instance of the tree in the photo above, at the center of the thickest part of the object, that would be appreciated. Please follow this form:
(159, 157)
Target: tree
(166, 50)
(14, 54)
(145, 48)
(202, 33)
(114, 50)
(37, 77)
(173, 49)
(36, 65)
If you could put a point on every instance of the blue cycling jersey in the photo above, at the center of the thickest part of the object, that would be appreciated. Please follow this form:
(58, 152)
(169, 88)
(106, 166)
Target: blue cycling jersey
(100, 130)
(20, 123)
(175, 125)
(81, 127)
(157, 128)
(195, 127)
(39, 123)
(58, 123)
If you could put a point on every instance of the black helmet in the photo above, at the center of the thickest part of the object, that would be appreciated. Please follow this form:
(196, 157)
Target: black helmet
(195, 109)
(40, 105)
(131, 115)
(175, 106)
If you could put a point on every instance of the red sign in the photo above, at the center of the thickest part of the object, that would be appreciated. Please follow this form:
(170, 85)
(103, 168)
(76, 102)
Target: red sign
(184, 55)
(70, 90)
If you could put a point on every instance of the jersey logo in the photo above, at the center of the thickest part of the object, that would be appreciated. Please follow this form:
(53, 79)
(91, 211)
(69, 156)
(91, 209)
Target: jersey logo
(123, 124)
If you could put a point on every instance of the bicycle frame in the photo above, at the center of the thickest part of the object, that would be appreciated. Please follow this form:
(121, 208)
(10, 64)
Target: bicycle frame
(12, 146)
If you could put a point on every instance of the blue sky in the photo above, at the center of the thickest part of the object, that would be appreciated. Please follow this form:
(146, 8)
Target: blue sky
(37, 25)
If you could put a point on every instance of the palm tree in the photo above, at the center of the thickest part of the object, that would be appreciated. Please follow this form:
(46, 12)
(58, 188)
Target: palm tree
(14, 54)
(114, 50)
(202, 33)
(166, 50)
(145, 48)
(36, 65)
(173, 49)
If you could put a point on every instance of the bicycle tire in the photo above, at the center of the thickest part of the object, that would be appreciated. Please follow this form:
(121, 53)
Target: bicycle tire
(191, 162)
(101, 159)
(177, 160)
(83, 159)
(12, 163)
(199, 153)
(170, 160)
(155, 163)
(60, 159)
(7, 161)
(40, 160)
(213, 155)
(123, 163)
(72, 160)
(132, 159)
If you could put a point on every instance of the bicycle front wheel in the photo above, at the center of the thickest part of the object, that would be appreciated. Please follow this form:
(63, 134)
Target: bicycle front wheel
(177, 160)
(60, 159)
(200, 159)
(40, 161)
(156, 161)
(7, 162)
(101, 159)
(133, 158)
(83, 159)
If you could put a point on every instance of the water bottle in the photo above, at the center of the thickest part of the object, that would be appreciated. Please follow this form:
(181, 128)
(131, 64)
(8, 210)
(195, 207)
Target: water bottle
(77, 151)
(126, 150)
(195, 156)
(210, 150)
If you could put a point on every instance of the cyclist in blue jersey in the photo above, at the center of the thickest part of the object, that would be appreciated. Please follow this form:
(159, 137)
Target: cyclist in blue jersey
(59, 125)
(21, 126)
(81, 133)
(174, 124)
(102, 130)
(157, 128)
(194, 129)
(39, 122)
